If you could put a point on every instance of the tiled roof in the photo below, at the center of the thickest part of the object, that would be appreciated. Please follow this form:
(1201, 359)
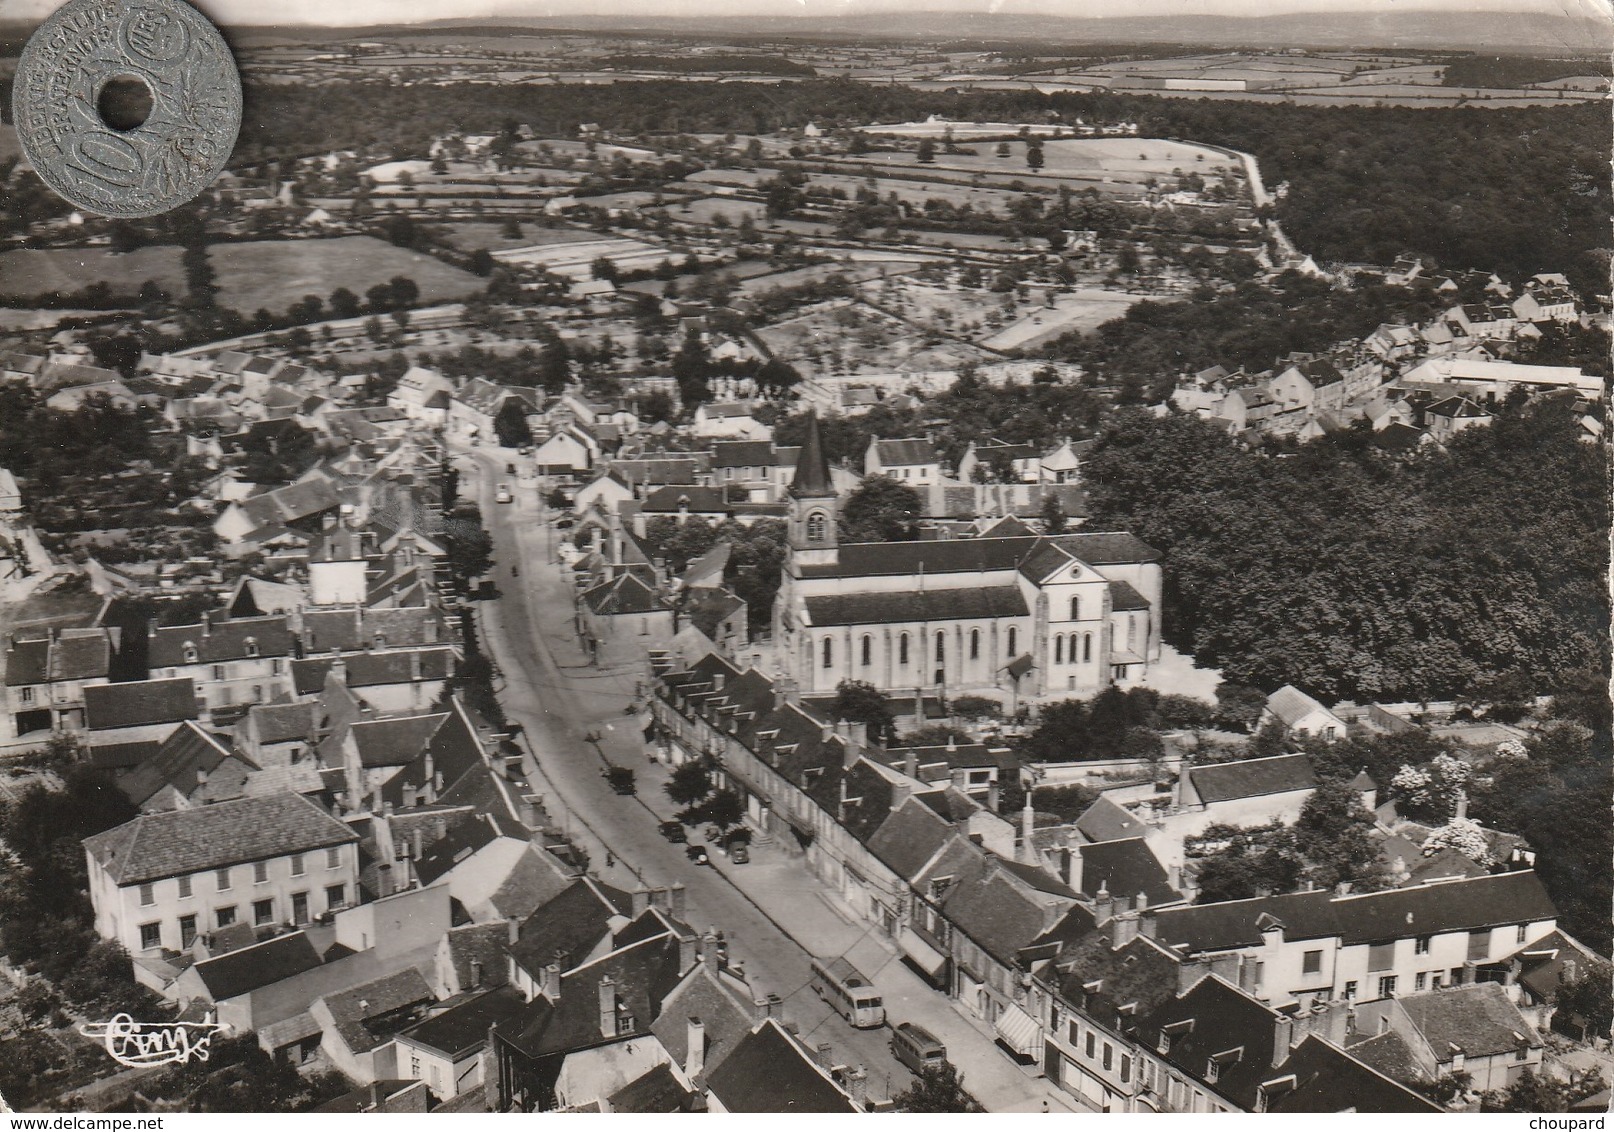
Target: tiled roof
(463, 840)
(1101, 979)
(900, 453)
(1104, 820)
(220, 641)
(479, 943)
(1124, 598)
(695, 498)
(770, 1073)
(568, 927)
(397, 741)
(657, 1091)
(1125, 869)
(1252, 778)
(1291, 705)
(139, 702)
(920, 605)
(355, 1011)
(997, 913)
(368, 669)
(27, 662)
(1215, 1020)
(1478, 1018)
(1429, 909)
(281, 723)
(909, 838)
(352, 629)
(186, 760)
(742, 454)
(463, 1028)
(242, 971)
(1388, 1053)
(624, 594)
(978, 555)
(1328, 1079)
(157, 846)
(722, 1006)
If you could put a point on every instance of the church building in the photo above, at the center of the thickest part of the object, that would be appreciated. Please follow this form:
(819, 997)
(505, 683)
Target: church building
(1021, 619)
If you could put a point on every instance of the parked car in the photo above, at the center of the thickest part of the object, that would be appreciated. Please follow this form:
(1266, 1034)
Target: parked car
(917, 1048)
(502, 494)
(739, 852)
(674, 831)
(697, 853)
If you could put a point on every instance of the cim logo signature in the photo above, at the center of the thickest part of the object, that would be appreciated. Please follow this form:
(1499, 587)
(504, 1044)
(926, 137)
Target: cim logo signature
(143, 1044)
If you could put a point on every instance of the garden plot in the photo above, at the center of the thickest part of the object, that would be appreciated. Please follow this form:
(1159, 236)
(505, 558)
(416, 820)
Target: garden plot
(853, 338)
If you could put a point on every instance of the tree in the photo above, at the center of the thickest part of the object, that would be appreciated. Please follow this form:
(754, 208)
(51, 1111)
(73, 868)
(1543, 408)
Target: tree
(1053, 516)
(861, 702)
(604, 267)
(344, 303)
(937, 1088)
(1587, 1002)
(723, 809)
(470, 547)
(511, 229)
(1003, 149)
(1239, 705)
(879, 509)
(689, 785)
(1237, 864)
(927, 151)
(481, 262)
(1034, 158)
(1334, 834)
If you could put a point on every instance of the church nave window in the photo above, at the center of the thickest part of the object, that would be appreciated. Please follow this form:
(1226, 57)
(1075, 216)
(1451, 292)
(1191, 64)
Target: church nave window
(902, 649)
(1075, 609)
(829, 653)
(975, 644)
(1059, 650)
(868, 650)
(941, 645)
(1011, 649)
(1087, 646)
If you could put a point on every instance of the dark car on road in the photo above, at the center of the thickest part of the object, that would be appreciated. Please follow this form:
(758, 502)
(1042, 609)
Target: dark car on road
(739, 852)
(674, 831)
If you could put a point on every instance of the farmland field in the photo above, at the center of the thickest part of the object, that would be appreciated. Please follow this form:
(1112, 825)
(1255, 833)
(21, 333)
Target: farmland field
(472, 235)
(1084, 311)
(34, 271)
(275, 273)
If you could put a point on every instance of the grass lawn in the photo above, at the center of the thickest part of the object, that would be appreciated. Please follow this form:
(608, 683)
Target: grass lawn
(272, 274)
(486, 234)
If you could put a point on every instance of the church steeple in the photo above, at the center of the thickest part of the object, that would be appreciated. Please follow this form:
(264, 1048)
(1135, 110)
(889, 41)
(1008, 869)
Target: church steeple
(812, 467)
(814, 510)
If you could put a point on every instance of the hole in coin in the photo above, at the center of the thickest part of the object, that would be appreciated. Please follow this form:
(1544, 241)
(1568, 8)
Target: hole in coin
(124, 102)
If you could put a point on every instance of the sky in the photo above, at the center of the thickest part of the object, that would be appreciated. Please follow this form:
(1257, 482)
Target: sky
(358, 12)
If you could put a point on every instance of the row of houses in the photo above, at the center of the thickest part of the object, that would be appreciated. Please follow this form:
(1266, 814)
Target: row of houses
(996, 917)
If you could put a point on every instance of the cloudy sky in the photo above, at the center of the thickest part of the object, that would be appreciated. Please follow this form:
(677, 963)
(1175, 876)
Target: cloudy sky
(351, 12)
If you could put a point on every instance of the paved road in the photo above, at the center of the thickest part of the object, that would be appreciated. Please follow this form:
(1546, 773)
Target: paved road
(773, 909)
(558, 699)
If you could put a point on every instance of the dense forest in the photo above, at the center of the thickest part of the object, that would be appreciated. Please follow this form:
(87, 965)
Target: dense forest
(1515, 191)
(1353, 574)
(1511, 72)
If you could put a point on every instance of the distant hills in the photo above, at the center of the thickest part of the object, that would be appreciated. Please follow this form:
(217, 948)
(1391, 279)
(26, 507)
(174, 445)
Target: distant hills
(1479, 31)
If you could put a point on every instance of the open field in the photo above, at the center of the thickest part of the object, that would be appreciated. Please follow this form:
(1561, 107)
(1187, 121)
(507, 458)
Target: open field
(573, 260)
(468, 236)
(849, 338)
(703, 210)
(30, 271)
(1083, 311)
(275, 273)
(854, 273)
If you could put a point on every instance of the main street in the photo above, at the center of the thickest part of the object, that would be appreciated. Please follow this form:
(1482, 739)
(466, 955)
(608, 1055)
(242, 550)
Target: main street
(561, 701)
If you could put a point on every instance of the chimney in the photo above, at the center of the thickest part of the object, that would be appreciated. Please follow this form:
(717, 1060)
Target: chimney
(641, 901)
(1511, 975)
(1102, 904)
(1140, 901)
(1571, 971)
(688, 953)
(1148, 922)
(431, 630)
(786, 691)
(419, 840)
(759, 1011)
(910, 763)
(774, 1007)
(512, 929)
(994, 796)
(414, 666)
(151, 626)
(824, 1054)
(675, 901)
(1462, 805)
(1283, 1032)
(207, 625)
(607, 1007)
(709, 953)
(1028, 825)
(857, 1086)
(1124, 929)
(551, 987)
(201, 777)
(1469, 967)
(695, 1058)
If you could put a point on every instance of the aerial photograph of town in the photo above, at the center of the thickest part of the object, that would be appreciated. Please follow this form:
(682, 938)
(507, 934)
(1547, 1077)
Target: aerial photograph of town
(744, 556)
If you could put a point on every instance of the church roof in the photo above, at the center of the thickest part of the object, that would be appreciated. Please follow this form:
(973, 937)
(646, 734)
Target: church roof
(923, 605)
(812, 466)
(980, 555)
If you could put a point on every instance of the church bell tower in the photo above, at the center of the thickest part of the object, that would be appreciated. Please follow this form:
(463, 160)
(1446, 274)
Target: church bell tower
(814, 510)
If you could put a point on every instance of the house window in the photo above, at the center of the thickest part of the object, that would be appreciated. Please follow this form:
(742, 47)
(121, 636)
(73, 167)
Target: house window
(1436, 981)
(151, 935)
(224, 880)
(190, 653)
(817, 526)
(1075, 609)
(902, 649)
(1126, 1068)
(335, 895)
(1059, 650)
(1518, 936)
(296, 864)
(829, 653)
(975, 644)
(1092, 1043)
(1387, 986)
(1311, 963)
(1329, 733)
(1012, 650)
(257, 693)
(1087, 647)
(1521, 1053)
(251, 646)
(277, 666)
(868, 650)
(1350, 989)
(263, 912)
(941, 646)
(260, 872)
(333, 857)
(184, 887)
(148, 895)
(1420, 946)
(1109, 1055)
(1381, 956)
(187, 932)
(224, 917)
(218, 672)
(1420, 981)
(26, 695)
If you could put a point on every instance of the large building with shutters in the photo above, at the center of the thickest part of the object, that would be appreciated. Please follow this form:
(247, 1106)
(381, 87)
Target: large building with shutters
(1023, 618)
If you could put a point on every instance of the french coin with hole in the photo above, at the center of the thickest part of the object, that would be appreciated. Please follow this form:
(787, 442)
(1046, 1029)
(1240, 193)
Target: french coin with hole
(126, 108)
